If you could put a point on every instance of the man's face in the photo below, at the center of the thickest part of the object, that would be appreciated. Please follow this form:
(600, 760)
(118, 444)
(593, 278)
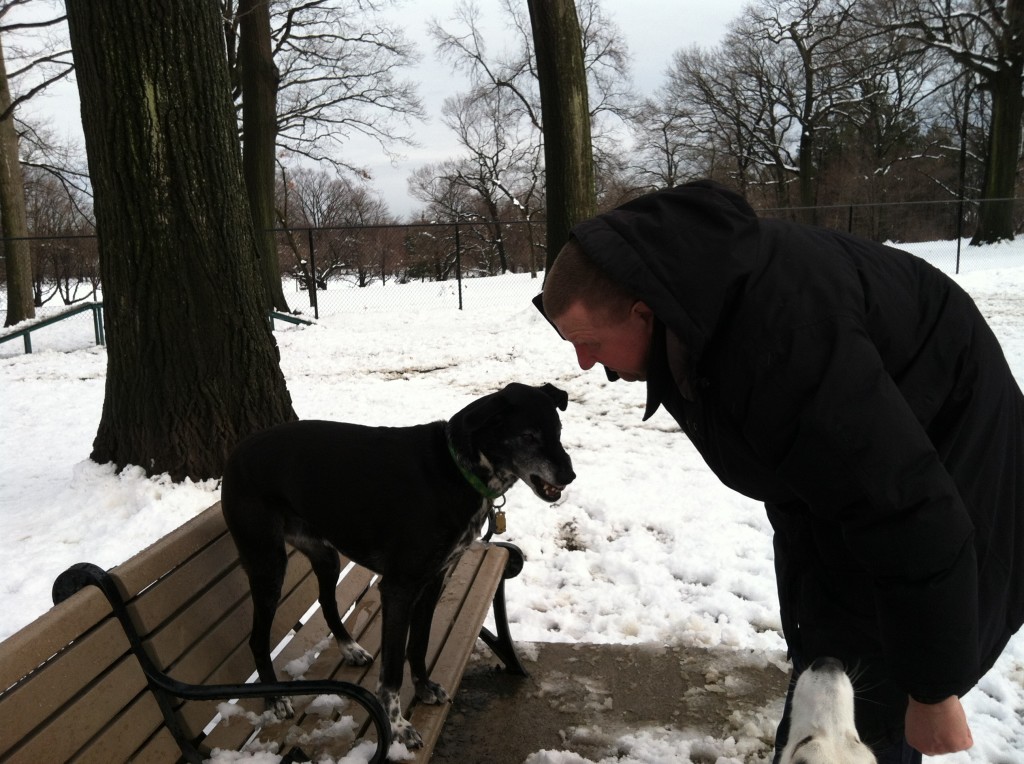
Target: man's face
(621, 345)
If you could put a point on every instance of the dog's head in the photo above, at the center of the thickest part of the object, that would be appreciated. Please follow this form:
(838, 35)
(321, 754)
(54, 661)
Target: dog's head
(517, 433)
(821, 728)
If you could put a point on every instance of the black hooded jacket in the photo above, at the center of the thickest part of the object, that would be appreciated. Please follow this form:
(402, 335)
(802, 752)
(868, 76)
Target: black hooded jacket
(859, 393)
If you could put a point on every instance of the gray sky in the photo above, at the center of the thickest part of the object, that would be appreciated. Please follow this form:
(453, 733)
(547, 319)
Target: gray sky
(653, 31)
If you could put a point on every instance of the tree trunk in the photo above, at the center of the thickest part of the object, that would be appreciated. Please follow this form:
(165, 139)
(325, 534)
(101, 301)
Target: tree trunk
(568, 156)
(995, 216)
(13, 218)
(192, 363)
(259, 78)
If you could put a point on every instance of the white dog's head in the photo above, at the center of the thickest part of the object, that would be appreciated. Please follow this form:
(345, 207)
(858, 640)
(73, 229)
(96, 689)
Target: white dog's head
(821, 729)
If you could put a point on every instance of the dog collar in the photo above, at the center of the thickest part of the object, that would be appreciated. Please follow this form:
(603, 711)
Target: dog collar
(481, 487)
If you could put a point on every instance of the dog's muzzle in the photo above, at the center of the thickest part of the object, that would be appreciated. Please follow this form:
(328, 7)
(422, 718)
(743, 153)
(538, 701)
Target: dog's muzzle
(546, 490)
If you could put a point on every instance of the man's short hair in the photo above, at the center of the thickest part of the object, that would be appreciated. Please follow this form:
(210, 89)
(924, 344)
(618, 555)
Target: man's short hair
(573, 277)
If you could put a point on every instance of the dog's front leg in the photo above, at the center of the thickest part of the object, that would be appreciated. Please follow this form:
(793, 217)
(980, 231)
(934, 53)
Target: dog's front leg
(419, 635)
(396, 603)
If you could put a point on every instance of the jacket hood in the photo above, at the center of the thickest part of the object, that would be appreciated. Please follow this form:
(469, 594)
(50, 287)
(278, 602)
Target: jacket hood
(685, 251)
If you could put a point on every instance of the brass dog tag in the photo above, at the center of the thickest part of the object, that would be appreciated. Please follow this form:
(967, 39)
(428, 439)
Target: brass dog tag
(499, 521)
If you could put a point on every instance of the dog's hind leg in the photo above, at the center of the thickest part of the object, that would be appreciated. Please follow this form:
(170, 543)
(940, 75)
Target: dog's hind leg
(325, 563)
(419, 635)
(259, 537)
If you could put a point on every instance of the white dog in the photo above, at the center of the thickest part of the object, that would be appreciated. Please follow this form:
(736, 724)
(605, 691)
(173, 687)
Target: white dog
(821, 729)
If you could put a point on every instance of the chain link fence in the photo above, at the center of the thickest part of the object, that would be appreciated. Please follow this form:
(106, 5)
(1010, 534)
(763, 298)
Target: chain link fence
(466, 265)
(460, 265)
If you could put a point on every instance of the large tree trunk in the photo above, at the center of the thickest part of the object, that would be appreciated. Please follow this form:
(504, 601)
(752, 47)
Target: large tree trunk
(259, 78)
(568, 155)
(16, 250)
(192, 362)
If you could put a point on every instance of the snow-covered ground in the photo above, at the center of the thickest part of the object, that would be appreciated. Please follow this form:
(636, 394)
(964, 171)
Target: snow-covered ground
(645, 546)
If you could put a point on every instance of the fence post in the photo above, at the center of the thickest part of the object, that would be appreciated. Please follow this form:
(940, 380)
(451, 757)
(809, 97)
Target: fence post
(97, 323)
(458, 263)
(312, 286)
(959, 228)
(849, 219)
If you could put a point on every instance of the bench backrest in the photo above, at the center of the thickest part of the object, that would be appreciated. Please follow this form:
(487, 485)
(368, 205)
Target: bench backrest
(72, 689)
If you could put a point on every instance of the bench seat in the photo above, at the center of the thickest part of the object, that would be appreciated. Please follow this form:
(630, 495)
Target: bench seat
(134, 664)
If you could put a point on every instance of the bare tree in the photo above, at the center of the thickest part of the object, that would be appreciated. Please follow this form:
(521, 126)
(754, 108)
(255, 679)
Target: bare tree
(728, 98)
(336, 207)
(41, 69)
(823, 78)
(986, 38)
(568, 157)
(258, 82)
(519, 71)
(340, 69)
(65, 265)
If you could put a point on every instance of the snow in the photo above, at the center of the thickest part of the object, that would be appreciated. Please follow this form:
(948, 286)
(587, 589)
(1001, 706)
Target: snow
(645, 547)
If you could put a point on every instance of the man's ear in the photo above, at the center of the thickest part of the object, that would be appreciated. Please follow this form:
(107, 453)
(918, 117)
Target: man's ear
(643, 312)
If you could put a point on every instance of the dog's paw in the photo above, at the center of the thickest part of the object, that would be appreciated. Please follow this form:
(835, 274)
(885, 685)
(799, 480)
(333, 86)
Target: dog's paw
(282, 707)
(432, 693)
(354, 655)
(406, 734)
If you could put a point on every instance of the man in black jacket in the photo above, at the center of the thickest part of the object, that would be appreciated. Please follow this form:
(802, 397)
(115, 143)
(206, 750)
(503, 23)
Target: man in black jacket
(859, 394)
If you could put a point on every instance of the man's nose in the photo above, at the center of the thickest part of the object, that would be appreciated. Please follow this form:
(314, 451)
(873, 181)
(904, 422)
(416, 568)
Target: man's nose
(585, 358)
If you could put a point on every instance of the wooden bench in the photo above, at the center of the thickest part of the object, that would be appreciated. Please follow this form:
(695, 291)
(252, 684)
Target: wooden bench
(132, 664)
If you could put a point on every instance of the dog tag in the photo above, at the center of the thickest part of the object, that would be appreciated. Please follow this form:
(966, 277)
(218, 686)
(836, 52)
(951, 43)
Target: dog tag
(499, 521)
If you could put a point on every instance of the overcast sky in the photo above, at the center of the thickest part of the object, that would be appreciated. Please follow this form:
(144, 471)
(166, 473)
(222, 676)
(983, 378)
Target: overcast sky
(653, 30)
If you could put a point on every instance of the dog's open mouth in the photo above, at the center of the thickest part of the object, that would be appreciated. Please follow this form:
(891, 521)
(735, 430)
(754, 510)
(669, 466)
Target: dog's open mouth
(546, 490)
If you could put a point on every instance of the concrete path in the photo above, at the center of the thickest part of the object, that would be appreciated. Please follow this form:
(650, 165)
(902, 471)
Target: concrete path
(582, 698)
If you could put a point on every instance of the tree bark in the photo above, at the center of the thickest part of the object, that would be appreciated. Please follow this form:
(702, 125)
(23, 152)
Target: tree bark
(259, 80)
(568, 155)
(13, 218)
(1006, 88)
(995, 215)
(192, 362)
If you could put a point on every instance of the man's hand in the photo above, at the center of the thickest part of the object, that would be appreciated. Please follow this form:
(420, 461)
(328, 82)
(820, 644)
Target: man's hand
(935, 728)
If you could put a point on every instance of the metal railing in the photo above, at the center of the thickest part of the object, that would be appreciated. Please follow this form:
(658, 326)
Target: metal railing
(26, 332)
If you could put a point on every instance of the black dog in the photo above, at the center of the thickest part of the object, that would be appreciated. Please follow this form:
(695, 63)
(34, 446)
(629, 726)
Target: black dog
(404, 502)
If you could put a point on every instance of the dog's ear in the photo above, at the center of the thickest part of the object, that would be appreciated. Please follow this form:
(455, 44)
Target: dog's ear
(482, 410)
(560, 397)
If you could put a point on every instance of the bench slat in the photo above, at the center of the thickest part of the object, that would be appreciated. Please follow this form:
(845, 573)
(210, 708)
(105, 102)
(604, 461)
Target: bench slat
(364, 626)
(51, 632)
(184, 583)
(461, 609)
(160, 748)
(206, 665)
(62, 736)
(134, 729)
(455, 637)
(231, 734)
(52, 688)
(172, 550)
